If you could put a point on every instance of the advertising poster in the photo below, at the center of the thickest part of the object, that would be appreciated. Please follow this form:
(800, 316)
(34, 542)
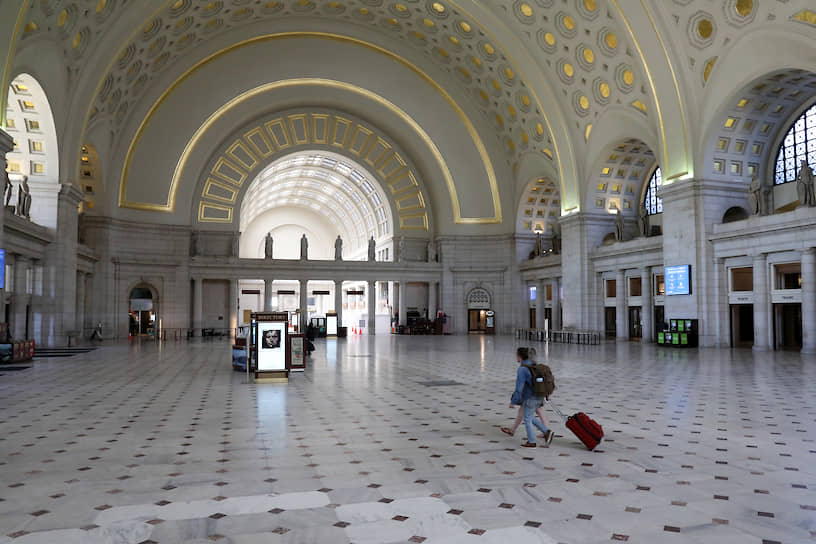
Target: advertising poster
(331, 325)
(271, 346)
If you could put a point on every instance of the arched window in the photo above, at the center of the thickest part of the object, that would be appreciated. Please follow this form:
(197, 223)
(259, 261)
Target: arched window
(799, 144)
(653, 203)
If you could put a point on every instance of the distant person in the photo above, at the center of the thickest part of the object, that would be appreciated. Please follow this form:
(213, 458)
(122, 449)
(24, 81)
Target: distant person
(523, 396)
(539, 411)
(97, 333)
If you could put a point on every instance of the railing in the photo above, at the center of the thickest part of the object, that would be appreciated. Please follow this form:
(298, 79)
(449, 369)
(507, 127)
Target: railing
(576, 337)
(562, 336)
(538, 335)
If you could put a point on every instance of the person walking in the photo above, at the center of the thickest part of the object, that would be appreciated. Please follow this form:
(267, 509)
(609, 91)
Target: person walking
(523, 396)
(539, 411)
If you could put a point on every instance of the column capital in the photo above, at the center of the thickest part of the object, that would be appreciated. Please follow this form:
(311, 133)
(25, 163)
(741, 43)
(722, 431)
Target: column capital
(69, 192)
(809, 251)
(759, 256)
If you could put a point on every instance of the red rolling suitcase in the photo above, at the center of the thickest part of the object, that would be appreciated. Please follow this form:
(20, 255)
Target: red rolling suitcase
(584, 427)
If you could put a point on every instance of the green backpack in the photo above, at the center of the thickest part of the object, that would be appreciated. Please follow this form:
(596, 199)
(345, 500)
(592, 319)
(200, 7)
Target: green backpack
(543, 380)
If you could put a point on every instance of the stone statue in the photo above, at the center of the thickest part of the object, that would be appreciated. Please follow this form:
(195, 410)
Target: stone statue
(372, 249)
(755, 196)
(619, 226)
(556, 238)
(338, 249)
(23, 199)
(537, 249)
(8, 188)
(431, 251)
(304, 248)
(643, 220)
(804, 185)
(401, 247)
(268, 243)
(236, 237)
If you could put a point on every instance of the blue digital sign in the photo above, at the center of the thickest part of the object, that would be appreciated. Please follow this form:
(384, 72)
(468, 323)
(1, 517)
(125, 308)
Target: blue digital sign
(678, 280)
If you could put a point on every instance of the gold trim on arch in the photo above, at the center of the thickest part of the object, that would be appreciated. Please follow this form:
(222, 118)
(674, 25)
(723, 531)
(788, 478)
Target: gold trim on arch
(7, 73)
(171, 202)
(535, 96)
(388, 166)
(654, 87)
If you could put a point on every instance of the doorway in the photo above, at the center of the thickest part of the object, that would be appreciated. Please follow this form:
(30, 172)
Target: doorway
(532, 318)
(742, 325)
(659, 320)
(788, 326)
(141, 312)
(477, 320)
(610, 322)
(635, 328)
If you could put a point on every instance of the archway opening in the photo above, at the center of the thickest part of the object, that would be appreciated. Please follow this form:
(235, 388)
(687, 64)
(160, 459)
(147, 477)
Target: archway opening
(33, 164)
(318, 194)
(141, 311)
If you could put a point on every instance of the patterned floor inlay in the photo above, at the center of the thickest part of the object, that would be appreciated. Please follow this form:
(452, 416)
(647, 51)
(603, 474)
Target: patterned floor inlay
(397, 439)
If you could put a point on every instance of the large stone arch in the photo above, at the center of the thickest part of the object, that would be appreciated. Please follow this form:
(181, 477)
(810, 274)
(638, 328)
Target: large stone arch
(754, 95)
(669, 99)
(436, 137)
(34, 161)
(244, 154)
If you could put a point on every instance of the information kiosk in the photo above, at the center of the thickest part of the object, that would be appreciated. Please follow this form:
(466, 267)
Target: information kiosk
(331, 325)
(270, 350)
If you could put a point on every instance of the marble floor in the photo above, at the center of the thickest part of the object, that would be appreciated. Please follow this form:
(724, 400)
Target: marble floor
(396, 439)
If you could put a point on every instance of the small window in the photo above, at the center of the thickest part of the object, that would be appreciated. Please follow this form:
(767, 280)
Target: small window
(37, 168)
(36, 147)
(653, 203)
(611, 288)
(532, 290)
(799, 144)
(33, 125)
(660, 285)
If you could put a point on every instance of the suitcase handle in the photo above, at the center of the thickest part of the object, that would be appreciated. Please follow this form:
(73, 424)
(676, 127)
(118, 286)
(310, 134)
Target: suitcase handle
(556, 410)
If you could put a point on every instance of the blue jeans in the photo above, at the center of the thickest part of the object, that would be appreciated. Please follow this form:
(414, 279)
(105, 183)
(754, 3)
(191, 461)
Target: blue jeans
(529, 419)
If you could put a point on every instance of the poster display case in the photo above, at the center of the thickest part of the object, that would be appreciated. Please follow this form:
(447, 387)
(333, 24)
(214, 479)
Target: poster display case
(297, 350)
(269, 343)
(331, 325)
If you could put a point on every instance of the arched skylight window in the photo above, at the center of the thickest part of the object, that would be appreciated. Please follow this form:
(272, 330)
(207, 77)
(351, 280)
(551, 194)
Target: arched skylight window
(653, 203)
(799, 144)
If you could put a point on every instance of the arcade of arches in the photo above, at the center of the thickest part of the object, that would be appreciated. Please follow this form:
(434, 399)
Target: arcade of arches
(172, 165)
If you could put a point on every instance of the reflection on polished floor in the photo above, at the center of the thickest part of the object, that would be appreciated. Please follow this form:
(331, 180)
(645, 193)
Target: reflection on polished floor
(396, 439)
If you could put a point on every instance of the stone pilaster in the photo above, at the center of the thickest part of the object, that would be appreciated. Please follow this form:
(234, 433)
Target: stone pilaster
(338, 300)
(762, 304)
(6, 145)
(371, 306)
(403, 304)
(556, 304)
(690, 210)
(62, 264)
(268, 294)
(304, 307)
(809, 300)
(646, 305)
(541, 300)
(621, 330)
(580, 233)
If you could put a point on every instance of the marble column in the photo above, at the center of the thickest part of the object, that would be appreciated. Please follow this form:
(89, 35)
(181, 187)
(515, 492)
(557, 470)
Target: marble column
(432, 294)
(403, 306)
(646, 305)
(198, 301)
(338, 301)
(80, 303)
(371, 305)
(762, 304)
(391, 298)
(621, 330)
(233, 305)
(304, 306)
(19, 297)
(556, 304)
(809, 300)
(6, 145)
(62, 262)
(268, 294)
(541, 301)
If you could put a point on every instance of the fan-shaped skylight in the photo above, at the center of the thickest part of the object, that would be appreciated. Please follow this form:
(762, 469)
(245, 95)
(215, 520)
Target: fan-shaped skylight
(339, 190)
